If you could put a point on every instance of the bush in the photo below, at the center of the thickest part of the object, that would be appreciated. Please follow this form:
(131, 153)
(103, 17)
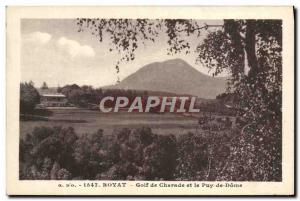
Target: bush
(29, 97)
(60, 153)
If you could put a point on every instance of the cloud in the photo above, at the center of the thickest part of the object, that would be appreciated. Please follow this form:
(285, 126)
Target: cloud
(74, 49)
(38, 38)
(71, 47)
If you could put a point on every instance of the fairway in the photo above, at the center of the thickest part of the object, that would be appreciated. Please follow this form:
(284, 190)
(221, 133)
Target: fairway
(167, 123)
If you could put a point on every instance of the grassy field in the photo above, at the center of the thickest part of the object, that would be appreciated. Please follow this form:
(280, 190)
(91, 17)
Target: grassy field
(93, 120)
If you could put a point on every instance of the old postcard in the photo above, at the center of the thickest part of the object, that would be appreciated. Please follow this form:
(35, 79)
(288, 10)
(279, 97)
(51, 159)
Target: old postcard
(150, 101)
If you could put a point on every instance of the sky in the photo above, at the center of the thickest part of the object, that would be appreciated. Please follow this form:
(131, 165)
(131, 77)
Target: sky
(53, 51)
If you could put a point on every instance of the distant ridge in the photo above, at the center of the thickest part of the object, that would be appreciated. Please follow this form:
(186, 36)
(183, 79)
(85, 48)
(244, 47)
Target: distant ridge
(174, 76)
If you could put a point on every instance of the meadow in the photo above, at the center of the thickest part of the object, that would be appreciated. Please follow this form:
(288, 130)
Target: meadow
(89, 121)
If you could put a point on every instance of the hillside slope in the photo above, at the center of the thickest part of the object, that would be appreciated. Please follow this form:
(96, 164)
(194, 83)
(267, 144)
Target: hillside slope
(175, 76)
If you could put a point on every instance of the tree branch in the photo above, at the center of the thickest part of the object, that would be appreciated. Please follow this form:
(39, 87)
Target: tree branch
(206, 26)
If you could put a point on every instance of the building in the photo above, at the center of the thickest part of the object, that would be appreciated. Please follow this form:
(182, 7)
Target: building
(53, 100)
(50, 98)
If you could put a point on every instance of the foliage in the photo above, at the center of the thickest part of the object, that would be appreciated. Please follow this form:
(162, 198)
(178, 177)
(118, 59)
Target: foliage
(84, 96)
(126, 35)
(257, 92)
(61, 153)
(29, 97)
(44, 86)
(57, 153)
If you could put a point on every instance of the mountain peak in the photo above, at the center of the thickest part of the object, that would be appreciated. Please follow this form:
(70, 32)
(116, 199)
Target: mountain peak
(174, 76)
(176, 60)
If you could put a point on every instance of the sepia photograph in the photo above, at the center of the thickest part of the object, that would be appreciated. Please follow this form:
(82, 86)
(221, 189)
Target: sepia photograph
(152, 99)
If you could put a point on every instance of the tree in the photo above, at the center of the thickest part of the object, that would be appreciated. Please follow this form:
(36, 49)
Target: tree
(126, 35)
(44, 86)
(29, 97)
(255, 45)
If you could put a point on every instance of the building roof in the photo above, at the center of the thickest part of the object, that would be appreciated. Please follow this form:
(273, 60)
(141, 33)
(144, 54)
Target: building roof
(50, 90)
(53, 95)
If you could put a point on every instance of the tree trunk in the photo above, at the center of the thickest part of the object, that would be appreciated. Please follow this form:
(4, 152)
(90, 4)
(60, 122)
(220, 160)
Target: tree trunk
(250, 48)
(232, 27)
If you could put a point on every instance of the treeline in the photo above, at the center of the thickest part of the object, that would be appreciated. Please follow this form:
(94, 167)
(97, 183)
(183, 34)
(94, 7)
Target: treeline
(217, 107)
(85, 95)
(61, 153)
(224, 104)
(89, 97)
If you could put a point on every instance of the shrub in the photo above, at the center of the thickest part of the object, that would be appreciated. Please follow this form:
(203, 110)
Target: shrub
(29, 97)
(60, 153)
